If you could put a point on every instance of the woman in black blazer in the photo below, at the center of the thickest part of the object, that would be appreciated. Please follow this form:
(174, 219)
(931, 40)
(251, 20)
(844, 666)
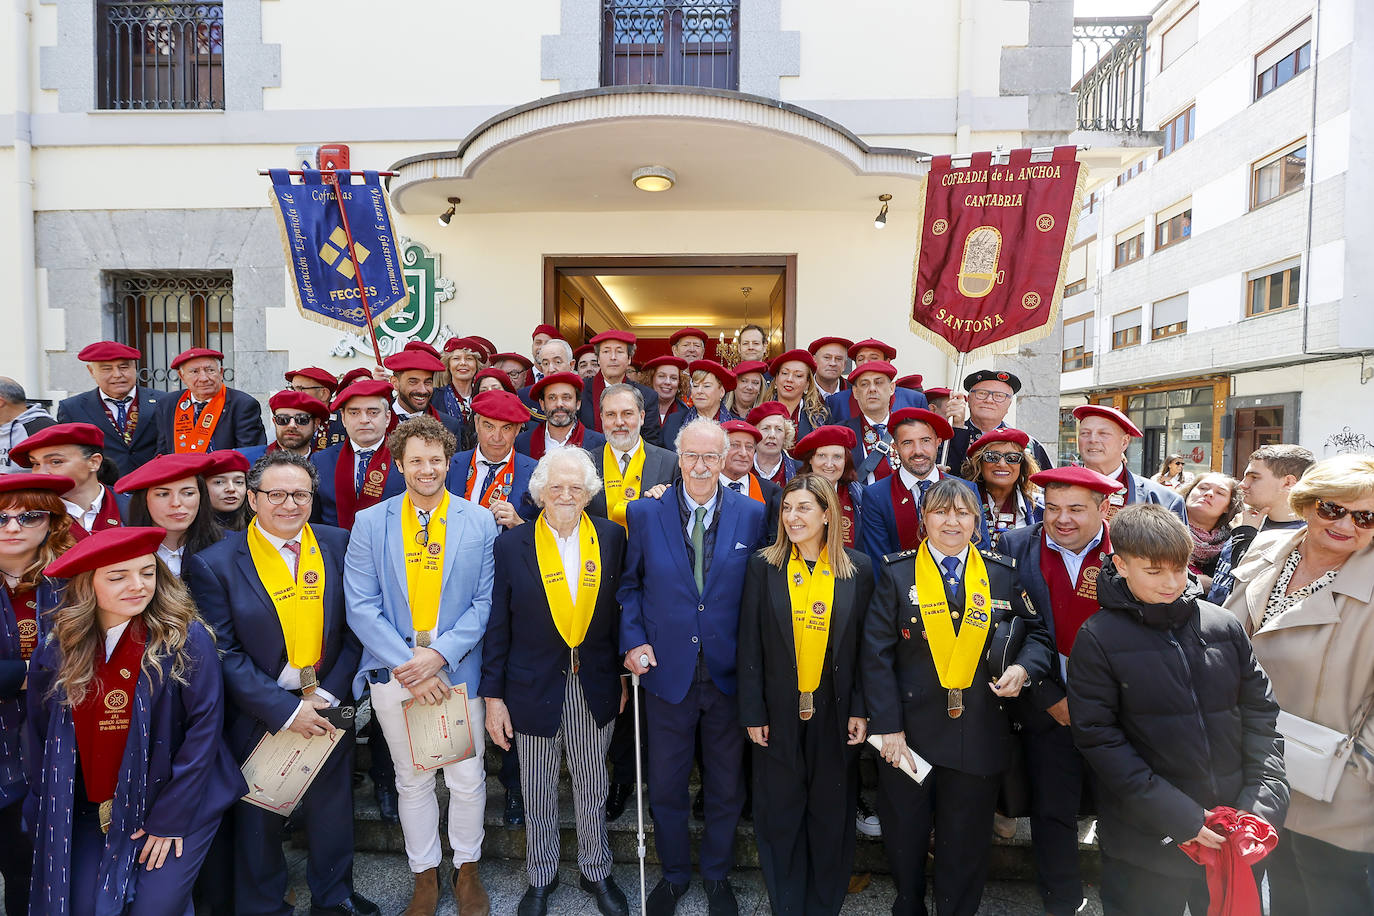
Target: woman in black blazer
(804, 710)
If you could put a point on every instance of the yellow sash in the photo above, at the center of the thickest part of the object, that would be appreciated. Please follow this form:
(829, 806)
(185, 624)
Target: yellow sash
(572, 620)
(424, 562)
(299, 600)
(813, 596)
(955, 657)
(620, 491)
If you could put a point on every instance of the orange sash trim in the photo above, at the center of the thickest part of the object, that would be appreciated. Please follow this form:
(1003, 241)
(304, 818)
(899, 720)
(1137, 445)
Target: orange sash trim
(191, 436)
(755, 491)
(501, 484)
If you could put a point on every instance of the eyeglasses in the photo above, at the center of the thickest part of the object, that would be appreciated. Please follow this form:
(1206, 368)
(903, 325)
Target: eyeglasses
(706, 457)
(1363, 518)
(306, 388)
(999, 457)
(277, 497)
(30, 519)
(300, 419)
(983, 394)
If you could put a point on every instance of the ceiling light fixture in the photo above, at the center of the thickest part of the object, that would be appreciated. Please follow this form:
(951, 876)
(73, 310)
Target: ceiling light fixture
(880, 221)
(653, 178)
(447, 216)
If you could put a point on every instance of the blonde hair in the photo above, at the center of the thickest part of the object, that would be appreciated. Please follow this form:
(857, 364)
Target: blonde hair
(59, 537)
(168, 618)
(1340, 479)
(812, 404)
(780, 551)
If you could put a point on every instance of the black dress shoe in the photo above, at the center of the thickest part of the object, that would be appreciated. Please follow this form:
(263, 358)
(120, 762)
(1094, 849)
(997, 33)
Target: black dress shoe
(386, 803)
(356, 904)
(536, 899)
(610, 899)
(699, 806)
(616, 798)
(515, 808)
(664, 897)
(720, 898)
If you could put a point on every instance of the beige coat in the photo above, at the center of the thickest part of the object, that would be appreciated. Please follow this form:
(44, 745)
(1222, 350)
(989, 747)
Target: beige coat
(1320, 657)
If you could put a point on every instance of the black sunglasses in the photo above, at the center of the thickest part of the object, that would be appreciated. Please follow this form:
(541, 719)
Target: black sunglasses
(300, 419)
(1363, 518)
(995, 457)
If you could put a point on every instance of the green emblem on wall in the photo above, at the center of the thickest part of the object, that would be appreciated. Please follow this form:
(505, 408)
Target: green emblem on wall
(420, 318)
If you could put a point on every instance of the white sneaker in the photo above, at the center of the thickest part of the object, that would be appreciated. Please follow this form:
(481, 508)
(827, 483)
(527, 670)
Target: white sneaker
(866, 819)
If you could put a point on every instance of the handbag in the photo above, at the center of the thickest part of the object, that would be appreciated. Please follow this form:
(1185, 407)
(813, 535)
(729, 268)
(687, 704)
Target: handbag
(1005, 644)
(1314, 756)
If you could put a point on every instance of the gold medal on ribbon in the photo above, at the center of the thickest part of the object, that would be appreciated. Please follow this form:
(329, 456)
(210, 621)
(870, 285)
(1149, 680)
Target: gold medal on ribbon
(955, 704)
(106, 814)
(422, 639)
(309, 680)
(806, 708)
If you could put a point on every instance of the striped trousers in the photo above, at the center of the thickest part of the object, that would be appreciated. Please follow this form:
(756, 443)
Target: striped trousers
(585, 745)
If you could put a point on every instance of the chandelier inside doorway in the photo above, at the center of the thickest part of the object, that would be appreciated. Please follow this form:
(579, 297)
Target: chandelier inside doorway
(727, 348)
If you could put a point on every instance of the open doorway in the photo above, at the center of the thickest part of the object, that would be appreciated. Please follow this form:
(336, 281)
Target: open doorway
(655, 296)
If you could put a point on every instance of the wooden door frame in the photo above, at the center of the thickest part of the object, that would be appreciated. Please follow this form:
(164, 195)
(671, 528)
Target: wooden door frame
(1221, 389)
(667, 264)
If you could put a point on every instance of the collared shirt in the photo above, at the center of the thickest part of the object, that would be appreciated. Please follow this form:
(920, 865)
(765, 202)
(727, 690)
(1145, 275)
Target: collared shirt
(112, 637)
(552, 444)
(620, 456)
(171, 557)
(1073, 562)
(86, 517)
(767, 474)
(743, 482)
(358, 450)
(911, 481)
(962, 557)
(824, 390)
(114, 403)
(570, 553)
(690, 505)
(873, 474)
(290, 677)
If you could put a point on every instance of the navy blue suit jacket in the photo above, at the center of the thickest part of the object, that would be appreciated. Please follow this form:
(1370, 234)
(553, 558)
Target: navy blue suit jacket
(591, 439)
(240, 424)
(520, 484)
(86, 408)
(1141, 490)
(658, 595)
(878, 521)
(326, 504)
(590, 411)
(524, 657)
(231, 597)
(838, 403)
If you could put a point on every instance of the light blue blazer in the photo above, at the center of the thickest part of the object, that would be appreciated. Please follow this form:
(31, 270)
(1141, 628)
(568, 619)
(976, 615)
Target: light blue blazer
(375, 589)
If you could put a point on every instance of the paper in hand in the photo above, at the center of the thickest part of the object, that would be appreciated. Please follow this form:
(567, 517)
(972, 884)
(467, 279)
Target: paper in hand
(922, 765)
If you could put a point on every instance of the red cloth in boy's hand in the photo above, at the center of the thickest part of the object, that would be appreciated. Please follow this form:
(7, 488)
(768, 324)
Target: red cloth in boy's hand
(1230, 882)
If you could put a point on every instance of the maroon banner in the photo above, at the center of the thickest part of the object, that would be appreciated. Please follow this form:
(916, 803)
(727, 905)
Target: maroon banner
(993, 246)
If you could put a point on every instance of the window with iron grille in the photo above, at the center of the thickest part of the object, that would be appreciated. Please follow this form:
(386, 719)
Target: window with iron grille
(160, 56)
(670, 43)
(164, 312)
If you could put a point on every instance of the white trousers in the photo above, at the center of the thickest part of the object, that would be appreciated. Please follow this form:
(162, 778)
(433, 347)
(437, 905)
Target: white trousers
(417, 802)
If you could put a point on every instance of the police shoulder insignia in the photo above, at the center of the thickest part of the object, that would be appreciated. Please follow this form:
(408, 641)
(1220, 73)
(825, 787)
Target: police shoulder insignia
(999, 558)
(899, 555)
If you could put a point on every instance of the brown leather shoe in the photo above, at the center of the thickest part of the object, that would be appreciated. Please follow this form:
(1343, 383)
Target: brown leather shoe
(468, 891)
(425, 899)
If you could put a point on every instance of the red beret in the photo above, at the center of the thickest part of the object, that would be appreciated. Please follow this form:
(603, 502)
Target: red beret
(582, 351)
(726, 377)
(870, 344)
(937, 393)
(351, 376)
(913, 382)
(556, 378)
(873, 366)
(498, 374)
(107, 351)
(545, 329)
(488, 348)
(58, 434)
(294, 400)
(225, 461)
(316, 374)
(465, 343)
(1107, 413)
(416, 360)
(825, 435)
(106, 548)
(422, 347)
(1006, 434)
(677, 362)
(822, 341)
(367, 388)
(688, 332)
(751, 365)
(624, 337)
(921, 415)
(501, 405)
(792, 356)
(992, 375)
(1075, 476)
(163, 469)
(52, 483)
(768, 409)
(195, 353)
(739, 426)
(518, 357)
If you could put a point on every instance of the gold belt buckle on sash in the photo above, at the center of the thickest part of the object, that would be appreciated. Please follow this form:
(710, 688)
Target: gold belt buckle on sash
(309, 680)
(806, 708)
(106, 814)
(574, 660)
(422, 639)
(955, 705)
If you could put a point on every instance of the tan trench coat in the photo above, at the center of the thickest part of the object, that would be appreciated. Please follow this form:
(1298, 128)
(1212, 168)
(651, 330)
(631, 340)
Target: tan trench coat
(1320, 658)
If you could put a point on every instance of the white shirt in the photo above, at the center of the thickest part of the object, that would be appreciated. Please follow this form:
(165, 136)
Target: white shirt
(114, 403)
(824, 390)
(112, 638)
(290, 677)
(767, 474)
(873, 475)
(86, 517)
(552, 444)
(693, 505)
(357, 452)
(743, 482)
(941, 557)
(171, 557)
(570, 553)
(911, 481)
(620, 456)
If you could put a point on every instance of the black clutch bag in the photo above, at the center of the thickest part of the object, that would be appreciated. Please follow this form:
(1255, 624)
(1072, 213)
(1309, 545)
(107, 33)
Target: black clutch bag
(1005, 643)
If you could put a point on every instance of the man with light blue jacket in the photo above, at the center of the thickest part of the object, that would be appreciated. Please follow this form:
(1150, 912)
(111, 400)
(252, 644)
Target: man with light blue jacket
(418, 578)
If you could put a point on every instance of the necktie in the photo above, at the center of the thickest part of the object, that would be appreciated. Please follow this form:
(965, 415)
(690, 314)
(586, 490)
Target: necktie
(736, 486)
(295, 548)
(699, 548)
(491, 475)
(121, 407)
(360, 476)
(951, 567)
(880, 428)
(923, 485)
(200, 405)
(624, 464)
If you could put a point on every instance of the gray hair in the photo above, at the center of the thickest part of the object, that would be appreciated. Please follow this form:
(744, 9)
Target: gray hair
(562, 345)
(279, 458)
(564, 458)
(12, 391)
(623, 388)
(702, 424)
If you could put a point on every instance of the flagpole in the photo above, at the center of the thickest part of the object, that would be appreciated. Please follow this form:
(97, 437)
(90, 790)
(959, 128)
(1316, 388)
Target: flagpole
(331, 177)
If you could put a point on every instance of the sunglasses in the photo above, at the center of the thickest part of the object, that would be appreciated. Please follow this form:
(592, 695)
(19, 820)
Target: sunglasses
(1363, 518)
(30, 519)
(997, 457)
(300, 419)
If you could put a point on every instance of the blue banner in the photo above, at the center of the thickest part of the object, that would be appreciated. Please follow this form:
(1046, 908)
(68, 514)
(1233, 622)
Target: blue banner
(326, 279)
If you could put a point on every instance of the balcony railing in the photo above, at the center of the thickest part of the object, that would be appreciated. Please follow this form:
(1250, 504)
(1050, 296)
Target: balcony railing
(1110, 67)
(156, 55)
(670, 43)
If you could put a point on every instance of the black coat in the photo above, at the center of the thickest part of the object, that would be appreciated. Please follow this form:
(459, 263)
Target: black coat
(660, 467)
(238, 427)
(589, 412)
(525, 658)
(901, 687)
(1174, 714)
(86, 407)
(767, 653)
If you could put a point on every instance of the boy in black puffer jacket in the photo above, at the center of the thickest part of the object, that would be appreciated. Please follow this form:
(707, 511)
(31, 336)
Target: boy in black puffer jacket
(1173, 714)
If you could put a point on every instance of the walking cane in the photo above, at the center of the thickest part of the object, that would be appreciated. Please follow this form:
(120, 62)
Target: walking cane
(639, 785)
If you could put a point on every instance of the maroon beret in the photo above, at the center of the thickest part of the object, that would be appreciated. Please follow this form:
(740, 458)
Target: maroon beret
(353, 375)
(1076, 476)
(488, 348)
(792, 356)
(422, 347)
(518, 357)
(106, 548)
(740, 426)
(52, 483)
(726, 377)
(750, 365)
(368, 388)
(294, 400)
(163, 469)
(937, 393)
(873, 366)
(195, 353)
(768, 409)
(556, 378)
(316, 374)
(1005, 434)
(465, 343)
(545, 329)
(225, 461)
(501, 405)
(912, 382)
(825, 435)
(499, 374)
(413, 360)
(823, 341)
(889, 351)
(58, 434)
(624, 337)
(688, 332)
(677, 362)
(1107, 413)
(107, 351)
(582, 351)
(921, 415)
